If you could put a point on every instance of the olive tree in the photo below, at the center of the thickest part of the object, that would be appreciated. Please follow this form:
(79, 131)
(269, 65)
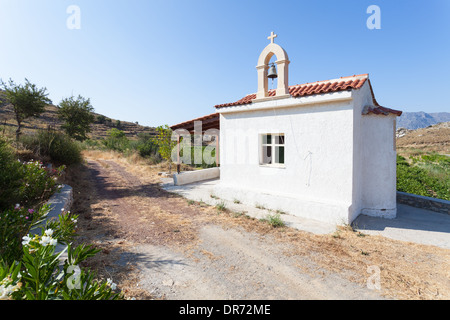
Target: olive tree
(165, 143)
(27, 100)
(77, 116)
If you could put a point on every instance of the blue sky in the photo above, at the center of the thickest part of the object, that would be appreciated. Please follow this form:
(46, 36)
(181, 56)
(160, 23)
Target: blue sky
(165, 62)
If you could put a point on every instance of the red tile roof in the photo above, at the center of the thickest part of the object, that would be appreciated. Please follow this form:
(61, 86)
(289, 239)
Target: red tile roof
(210, 121)
(307, 89)
(342, 84)
(377, 109)
(381, 110)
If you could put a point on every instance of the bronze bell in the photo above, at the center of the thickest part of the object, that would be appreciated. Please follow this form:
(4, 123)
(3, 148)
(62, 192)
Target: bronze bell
(272, 74)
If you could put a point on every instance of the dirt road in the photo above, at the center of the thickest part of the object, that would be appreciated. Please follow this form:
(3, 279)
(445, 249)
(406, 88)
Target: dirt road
(158, 245)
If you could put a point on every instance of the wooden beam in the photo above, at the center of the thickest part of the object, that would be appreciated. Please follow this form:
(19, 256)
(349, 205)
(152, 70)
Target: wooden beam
(217, 150)
(178, 154)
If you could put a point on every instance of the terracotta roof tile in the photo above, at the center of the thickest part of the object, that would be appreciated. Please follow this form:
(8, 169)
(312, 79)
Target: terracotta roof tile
(381, 110)
(210, 121)
(306, 89)
(320, 87)
(377, 109)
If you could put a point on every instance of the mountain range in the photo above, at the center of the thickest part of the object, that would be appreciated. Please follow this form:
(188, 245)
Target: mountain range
(417, 120)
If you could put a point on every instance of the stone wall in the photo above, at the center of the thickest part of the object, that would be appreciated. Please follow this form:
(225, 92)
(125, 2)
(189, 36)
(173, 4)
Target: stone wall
(438, 205)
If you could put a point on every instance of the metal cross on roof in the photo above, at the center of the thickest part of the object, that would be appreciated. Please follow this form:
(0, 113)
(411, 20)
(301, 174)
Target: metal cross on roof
(272, 36)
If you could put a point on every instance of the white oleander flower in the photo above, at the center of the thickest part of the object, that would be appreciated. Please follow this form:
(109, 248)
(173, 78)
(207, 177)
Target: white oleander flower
(26, 240)
(111, 284)
(6, 290)
(45, 240)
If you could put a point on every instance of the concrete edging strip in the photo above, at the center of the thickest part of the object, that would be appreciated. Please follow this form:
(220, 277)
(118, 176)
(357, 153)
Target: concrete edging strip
(59, 201)
(414, 200)
(187, 177)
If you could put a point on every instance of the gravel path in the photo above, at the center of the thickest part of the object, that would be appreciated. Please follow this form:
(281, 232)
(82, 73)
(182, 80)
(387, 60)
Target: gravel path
(231, 264)
(183, 251)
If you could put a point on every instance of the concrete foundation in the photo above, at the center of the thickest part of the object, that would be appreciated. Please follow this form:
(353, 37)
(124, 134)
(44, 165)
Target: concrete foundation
(330, 212)
(187, 177)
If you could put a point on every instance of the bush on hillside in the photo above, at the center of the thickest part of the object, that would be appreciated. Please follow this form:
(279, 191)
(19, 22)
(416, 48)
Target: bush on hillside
(38, 182)
(14, 224)
(116, 140)
(421, 180)
(24, 183)
(77, 116)
(11, 175)
(146, 146)
(30, 267)
(59, 147)
(201, 154)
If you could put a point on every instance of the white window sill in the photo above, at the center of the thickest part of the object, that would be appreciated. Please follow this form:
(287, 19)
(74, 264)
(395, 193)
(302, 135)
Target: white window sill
(279, 166)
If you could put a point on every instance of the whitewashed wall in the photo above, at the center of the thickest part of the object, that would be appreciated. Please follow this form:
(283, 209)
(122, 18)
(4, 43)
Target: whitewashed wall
(317, 181)
(338, 162)
(374, 160)
(379, 169)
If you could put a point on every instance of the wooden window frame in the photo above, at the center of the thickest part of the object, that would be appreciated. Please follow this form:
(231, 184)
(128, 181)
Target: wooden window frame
(273, 145)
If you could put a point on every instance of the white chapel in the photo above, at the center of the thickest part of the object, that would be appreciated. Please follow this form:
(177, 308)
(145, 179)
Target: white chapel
(323, 150)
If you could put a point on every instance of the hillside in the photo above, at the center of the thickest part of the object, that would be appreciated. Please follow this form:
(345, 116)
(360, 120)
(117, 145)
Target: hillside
(417, 120)
(49, 118)
(435, 138)
(432, 138)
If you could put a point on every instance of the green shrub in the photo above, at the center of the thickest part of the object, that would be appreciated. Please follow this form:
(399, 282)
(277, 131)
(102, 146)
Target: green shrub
(77, 116)
(201, 152)
(14, 224)
(26, 183)
(146, 146)
(100, 119)
(38, 183)
(433, 158)
(30, 268)
(116, 140)
(90, 144)
(59, 147)
(37, 274)
(428, 176)
(11, 174)
(274, 220)
(402, 161)
(221, 206)
(203, 164)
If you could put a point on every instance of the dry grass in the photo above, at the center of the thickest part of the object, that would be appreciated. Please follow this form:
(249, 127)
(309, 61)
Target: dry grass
(136, 164)
(99, 223)
(432, 139)
(96, 226)
(408, 270)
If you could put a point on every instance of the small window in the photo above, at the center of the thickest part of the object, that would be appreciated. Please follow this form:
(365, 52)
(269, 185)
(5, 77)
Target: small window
(272, 149)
